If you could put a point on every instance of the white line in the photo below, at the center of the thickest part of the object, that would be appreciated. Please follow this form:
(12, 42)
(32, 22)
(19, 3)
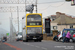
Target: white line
(24, 43)
(28, 44)
(44, 48)
(20, 42)
(45, 41)
(37, 46)
(31, 45)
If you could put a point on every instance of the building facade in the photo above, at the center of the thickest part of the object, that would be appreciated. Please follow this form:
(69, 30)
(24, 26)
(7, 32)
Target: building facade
(62, 21)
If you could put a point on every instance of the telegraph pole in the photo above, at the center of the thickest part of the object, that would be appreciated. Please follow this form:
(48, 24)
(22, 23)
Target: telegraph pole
(36, 6)
(11, 26)
(18, 15)
(18, 18)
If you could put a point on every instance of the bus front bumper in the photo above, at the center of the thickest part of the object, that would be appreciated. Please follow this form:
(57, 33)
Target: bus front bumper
(34, 37)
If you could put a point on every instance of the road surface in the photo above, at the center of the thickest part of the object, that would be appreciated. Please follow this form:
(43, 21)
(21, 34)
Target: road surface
(44, 45)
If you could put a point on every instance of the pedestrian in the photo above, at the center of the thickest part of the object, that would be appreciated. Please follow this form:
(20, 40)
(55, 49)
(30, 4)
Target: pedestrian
(68, 36)
(63, 36)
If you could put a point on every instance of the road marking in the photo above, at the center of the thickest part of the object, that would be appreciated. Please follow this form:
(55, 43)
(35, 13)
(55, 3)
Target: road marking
(45, 41)
(31, 45)
(12, 46)
(37, 46)
(44, 48)
(28, 44)
(24, 43)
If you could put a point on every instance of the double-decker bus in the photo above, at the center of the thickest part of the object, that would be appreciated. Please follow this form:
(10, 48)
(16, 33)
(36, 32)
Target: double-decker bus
(33, 28)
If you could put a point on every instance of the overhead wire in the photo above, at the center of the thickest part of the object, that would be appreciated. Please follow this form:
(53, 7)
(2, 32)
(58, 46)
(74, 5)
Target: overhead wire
(52, 6)
(49, 2)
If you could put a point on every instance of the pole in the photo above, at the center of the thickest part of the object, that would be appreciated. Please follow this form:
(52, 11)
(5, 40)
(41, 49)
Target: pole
(36, 6)
(18, 15)
(18, 18)
(11, 26)
(25, 6)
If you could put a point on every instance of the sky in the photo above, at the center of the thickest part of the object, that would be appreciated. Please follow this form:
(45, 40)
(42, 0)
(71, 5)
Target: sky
(46, 7)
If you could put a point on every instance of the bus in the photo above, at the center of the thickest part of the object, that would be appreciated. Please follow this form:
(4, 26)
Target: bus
(33, 28)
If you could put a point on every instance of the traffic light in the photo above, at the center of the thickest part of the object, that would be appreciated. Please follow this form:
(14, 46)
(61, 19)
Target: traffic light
(72, 2)
(47, 26)
(68, 0)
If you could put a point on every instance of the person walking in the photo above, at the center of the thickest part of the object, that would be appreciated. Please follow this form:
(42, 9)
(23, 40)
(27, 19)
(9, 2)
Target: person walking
(68, 36)
(64, 36)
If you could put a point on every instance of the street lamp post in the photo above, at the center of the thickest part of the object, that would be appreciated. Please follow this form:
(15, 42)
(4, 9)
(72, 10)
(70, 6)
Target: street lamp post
(18, 18)
(11, 26)
(18, 15)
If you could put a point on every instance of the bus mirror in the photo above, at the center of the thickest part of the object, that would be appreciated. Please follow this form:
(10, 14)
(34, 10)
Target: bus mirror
(24, 28)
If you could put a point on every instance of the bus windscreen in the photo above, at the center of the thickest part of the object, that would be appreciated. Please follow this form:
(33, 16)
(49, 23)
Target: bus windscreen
(34, 30)
(34, 20)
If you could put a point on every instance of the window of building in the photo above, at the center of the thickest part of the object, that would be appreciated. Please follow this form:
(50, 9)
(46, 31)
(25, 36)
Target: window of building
(71, 26)
(54, 27)
(53, 19)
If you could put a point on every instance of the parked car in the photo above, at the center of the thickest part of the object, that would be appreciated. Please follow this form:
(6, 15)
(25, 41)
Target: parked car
(0, 39)
(73, 36)
(56, 36)
(19, 36)
(5, 38)
(72, 31)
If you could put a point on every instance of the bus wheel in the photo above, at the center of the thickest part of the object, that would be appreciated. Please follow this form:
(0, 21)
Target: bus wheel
(39, 40)
(34, 40)
(26, 40)
(73, 41)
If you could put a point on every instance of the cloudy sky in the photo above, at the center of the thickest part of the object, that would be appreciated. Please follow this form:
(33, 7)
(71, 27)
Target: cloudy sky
(46, 7)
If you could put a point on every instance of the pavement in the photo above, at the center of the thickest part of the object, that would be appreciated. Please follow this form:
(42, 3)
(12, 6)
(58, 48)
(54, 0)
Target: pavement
(44, 45)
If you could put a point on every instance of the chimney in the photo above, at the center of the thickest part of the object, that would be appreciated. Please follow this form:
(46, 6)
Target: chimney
(58, 14)
(62, 18)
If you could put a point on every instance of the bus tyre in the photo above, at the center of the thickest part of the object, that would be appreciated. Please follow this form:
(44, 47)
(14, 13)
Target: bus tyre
(35, 40)
(73, 41)
(56, 40)
(39, 40)
(60, 39)
(26, 40)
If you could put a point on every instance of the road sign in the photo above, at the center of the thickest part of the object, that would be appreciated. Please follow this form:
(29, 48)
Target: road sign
(7, 34)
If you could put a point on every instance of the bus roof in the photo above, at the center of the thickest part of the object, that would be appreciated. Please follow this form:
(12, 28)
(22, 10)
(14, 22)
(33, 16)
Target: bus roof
(34, 13)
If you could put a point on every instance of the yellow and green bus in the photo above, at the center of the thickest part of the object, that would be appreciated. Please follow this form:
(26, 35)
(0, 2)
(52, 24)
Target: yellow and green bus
(33, 27)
